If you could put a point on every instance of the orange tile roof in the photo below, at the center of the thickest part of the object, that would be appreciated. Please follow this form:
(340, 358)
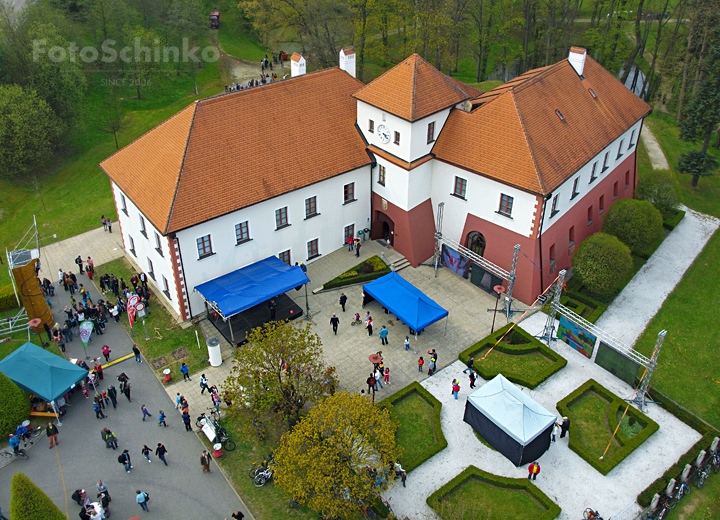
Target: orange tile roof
(295, 56)
(229, 154)
(468, 89)
(533, 149)
(412, 90)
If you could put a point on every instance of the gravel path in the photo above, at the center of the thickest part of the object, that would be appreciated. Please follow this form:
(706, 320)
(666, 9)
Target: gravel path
(657, 157)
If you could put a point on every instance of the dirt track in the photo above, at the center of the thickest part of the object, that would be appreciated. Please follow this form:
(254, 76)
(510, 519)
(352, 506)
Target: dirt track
(239, 70)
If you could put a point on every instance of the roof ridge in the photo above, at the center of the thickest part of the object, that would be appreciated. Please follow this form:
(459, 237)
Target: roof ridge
(182, 167)
(415, 75)
(532, 154)
(546, 71)
(383, 74)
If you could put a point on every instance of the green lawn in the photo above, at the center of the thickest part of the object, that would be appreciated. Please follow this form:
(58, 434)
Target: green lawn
(512, 365)
(416, 432)
(164, 333)
(589, 424)
(235, 34)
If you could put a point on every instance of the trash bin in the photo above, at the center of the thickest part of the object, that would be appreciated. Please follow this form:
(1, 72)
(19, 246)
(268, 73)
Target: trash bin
(168, 376)
(217, 450)
(366, 234)
(213, 346)
(361, 235)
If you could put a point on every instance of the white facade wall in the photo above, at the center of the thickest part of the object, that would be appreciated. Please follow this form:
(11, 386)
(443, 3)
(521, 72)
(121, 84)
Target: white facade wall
(396, 183)
(420, 185)
(145, 248)
(328, 227)
(482, 200)
(565, 190)
(419, 146)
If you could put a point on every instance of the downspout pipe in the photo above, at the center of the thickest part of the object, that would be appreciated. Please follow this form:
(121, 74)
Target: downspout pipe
(542, 221)
(174, 237)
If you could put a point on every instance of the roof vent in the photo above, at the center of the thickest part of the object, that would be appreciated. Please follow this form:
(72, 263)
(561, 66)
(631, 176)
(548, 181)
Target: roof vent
(592, 93)
(559, 114)
(577, 59)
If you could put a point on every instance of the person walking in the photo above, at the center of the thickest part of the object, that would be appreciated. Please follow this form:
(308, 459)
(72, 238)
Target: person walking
(386, 376)
(106, 353)
(144, 412)
(272, 306)
(98, 369)
(334, 321)
(472, 379)
(371, 383)
(369, 324)
(160, 451)
(203, 384)
(378, 378)
(126, 390)
(555, 431)
(146, 452)
(185, 371)
(161, 419)
(102, 488)
(383, 335)
(109, 438)
(112, 394)
(178, 400)
(79, 262)
(431, 366)
(136, 351)
(52, 433)
(470, 365)
(186, 420)
(124, 459)
(533, 470)
(104, 222)
(403, 477)
(455, 388)
(421, 362)
(98, 411)
(357, 249)
(205, 462)
(407, 343)
(564, 427)
(343, 301)
(142, 500)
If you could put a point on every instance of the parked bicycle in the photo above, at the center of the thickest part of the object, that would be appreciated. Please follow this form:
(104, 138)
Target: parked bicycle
(701, 475)
(716, 462)
(10, 454)
(221, 434)
(680, 491)
(264, 475)
(590, 514)
(256, 467)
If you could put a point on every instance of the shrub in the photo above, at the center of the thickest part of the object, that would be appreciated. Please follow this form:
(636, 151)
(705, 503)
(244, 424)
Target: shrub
(29, 502)
(671, 222)
(658, 187)
(14, 406)
(636, 223)
(7, 298)
(552, 509)
(604, 264)
(367, 271)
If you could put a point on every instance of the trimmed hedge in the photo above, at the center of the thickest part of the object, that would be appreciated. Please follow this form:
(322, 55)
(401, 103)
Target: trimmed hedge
(14, 406)
(603, 264)
(532, 345)
(7, 298)
(671, 222)
(708, 434)
(359, 277)
(552, 509)
(637, 223)
(29, 502)
(441, 443)
(627, 445)
(581, 303)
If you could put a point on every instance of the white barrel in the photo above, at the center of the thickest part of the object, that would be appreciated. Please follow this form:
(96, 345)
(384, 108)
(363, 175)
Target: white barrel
(214, 353)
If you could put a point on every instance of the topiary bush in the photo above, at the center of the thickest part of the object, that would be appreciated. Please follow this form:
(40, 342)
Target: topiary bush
(7, 298)
(29, 502)
(14, 406)
(658, 188)
(637, 223)
(604, 264)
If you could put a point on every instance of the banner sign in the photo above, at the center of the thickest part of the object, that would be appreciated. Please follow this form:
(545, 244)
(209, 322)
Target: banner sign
(132, 308)
(577, 337)
(454, 261)
(86, 328)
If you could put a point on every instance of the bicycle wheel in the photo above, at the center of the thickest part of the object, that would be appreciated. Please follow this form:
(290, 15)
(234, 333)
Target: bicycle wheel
(198, 424)
(684, 490)
(671, 502)
(716, 468)
(23, 455)
(229, 445)
(699, 481)
(260, 480)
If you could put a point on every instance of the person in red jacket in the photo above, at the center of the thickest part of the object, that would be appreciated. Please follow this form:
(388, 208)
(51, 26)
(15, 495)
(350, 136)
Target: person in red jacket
(533, 470)
(455, 388)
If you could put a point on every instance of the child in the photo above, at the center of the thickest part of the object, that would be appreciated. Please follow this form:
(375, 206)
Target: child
(161, 419)
(431, 366)
(472, 379)
(407, 342)
(455, 388)
(386, 377)
(84, 390)
(421, 362)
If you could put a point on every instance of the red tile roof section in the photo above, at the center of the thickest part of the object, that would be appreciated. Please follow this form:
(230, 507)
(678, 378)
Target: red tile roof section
(412, 90)
(468, 89)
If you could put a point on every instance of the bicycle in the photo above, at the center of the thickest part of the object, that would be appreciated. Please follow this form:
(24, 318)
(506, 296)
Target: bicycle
(589, 514)
(716, 462)
(263, 476)
(10, 454)
(702, 474)
(672, 500)
(256, 467)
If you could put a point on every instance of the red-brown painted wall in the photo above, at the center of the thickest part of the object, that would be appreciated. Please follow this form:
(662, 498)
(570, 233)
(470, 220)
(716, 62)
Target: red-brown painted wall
(414, 230)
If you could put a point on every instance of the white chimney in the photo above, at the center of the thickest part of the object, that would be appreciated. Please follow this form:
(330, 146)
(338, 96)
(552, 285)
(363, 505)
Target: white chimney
(297, 64)
(577, 59)
(347, 60)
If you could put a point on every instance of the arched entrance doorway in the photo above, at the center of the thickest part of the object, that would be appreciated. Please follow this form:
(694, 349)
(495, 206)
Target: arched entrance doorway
(476, 243)
(383, 227)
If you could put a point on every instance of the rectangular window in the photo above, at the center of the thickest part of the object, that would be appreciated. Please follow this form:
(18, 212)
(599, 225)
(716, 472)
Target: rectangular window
(552, 259)
(506, 204)
(575, 192)
(371, 126)
(242, 232)
(312, 249)
(285, 257)
(397, 138)
(281, 219)
(166, 287)
(601, 204)
(431, 132)
(605, 162)
(151, 271)
(590, 215)
(132, 246)
(632, 138)
(311, 207)
(554, 209)
(204, 246)
(627, 179)
(615, 190)
(381, 175)
(349, 233)
(460, 187)
(592, 173)
(349, 192)
(158, 244)
(124, 204)
(142, 226)
(571, 240)
(620, 149)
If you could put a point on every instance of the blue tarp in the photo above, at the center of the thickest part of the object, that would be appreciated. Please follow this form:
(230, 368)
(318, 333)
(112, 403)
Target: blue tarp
(244, 288)
(405, 301)
(41, 372)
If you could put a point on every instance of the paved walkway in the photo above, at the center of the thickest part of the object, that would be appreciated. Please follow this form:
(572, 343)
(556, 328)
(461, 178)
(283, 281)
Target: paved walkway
(642, 298)
(657, 157)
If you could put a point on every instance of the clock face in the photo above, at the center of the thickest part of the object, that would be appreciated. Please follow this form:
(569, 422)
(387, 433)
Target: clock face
(383, 133)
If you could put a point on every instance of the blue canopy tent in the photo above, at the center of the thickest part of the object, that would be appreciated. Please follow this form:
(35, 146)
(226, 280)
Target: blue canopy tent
(41, 372)
(234, 292)
(405, 301)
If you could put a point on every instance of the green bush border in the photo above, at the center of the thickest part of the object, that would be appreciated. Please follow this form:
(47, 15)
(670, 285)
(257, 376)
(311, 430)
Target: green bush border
(553, 510)
(627, 445)
(532, 345)
(671, 222)
(708, 434)
(441, 443)
(366, 277)
(7, 298)
(582, 302)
